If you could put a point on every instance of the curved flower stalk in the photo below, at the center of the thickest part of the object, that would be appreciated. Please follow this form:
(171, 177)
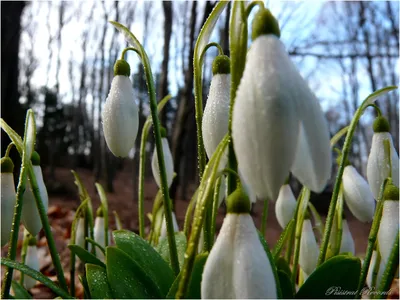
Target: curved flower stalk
(308, 248)
(389, 227)
(30, 214)
(216, 113)
(169, 163)
(374, 260)
(32, 261)
(238, 266)
(357, 195)
(120, 113)
(163, 232)
(99, 235)
(278, 125)
(8, 196)
(285, 206)
(381, 164)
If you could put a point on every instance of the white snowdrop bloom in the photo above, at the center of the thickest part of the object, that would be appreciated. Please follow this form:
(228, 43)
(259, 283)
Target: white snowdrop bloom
(278, 125)
(371, 270)
(285, 206)
(347, 244)
(389, 227)
(80, 233)
(32, 261)
(309, 250)
(8, 197)
(30, 214)
(163, 233)
(120, 114)
(357, 195)
(168, 161)
(238, 266)
(378, 166)
(99, 236)
(216, 113)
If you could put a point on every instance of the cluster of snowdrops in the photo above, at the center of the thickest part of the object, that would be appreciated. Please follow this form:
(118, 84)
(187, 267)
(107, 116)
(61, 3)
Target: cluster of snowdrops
(261, 123)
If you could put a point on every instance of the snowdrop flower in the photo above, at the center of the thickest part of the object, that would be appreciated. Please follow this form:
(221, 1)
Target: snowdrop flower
(169, 163)
(238, 266)
(389, 227)
(285, 206)
(8, 197)
(99, 236)
(371, 270)
(80, 232)
(278, 125)
(347, 243)
(216, 113)
(32, 261)
(163, 233)
(378, 166)
(309, 250)
(30, 214)
(120, 113)
(357, 195)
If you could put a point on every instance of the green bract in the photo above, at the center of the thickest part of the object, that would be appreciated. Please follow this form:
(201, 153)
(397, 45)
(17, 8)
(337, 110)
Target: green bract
(264, 23)
(7, 166)
(121, 67)
(221, 65)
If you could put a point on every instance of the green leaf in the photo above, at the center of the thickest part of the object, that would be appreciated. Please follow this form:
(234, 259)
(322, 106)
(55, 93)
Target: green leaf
(126, 278)
(283, 238)
(85, 256)
(286, 285)
(335, 278)
(283, 266)
(146, 257)
(98, 282)
(15, 137)
(181, 245)
(339, 135)
(19, 291)
(35, 275)
(375, 95)
(194, 288)
(85, 285)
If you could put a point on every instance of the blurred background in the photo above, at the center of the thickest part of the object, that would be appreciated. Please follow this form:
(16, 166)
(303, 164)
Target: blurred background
(58, 57)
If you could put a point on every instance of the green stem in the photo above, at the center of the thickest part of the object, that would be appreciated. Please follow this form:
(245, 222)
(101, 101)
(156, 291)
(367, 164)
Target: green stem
(94, 243)
(189, 213)
(339, 219)
(23, 253)
(127, 49)
(390, 270)
(372, 238)
(264, 218)
(209, 45)
(9, 147)
(375, 270)
(215, 205)
(253, 4)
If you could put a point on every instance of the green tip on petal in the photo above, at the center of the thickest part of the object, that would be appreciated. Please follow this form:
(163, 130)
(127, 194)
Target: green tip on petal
(163, 132)
(7, 166)
(99, 212)
(264, 23)
(32, 240)
(221, 65)
(381, 124)
(238, 202)
(391, 192)
(121, 67)
(35, 158)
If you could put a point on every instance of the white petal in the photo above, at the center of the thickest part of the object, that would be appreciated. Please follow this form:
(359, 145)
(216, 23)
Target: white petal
(169, 164)
(357, 195)
(222, 191)
(163, 233)
(308, 248)
(371, 269)
(378, 164)
(8, 198)
(217, 274)
(265, 121)
(32, 261)
(246, 187)
(120, 117)
(347, 244)
(216, 113)
(80, 233)
(252, 272)
(285, 206)
(389, 228)
(99, 236)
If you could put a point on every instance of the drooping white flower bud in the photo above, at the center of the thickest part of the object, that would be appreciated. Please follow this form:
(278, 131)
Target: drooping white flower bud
(309, 250)
(272, 102)
(389, 227)
(285, 206)
(80, 232)
(378, 166)
(357, 195)
(120, 113)
(216, 113)
(32, 261)
(371, 270)
(163, 233)
(8, 198)
(99, 236)
(30, 213)
(168, 161)
(238, 266)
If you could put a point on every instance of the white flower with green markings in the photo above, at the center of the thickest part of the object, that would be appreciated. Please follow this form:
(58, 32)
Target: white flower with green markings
(168, 161)
(32, 261)
(8, 197)
(120, 114)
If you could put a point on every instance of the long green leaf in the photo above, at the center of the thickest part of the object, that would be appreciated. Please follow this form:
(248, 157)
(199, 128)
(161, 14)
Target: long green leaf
(19, 291)
(282, 239)
(15, 137)
(375, 95)
(97, 282)
(181, 245)
(85, 256)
